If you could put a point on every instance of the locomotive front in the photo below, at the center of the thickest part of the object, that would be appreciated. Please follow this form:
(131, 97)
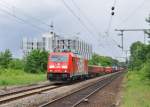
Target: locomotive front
(58, 67)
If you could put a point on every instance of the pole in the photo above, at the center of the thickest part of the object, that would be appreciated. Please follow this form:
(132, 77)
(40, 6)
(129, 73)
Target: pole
(126, 53)
(122, 39)
(121, 34)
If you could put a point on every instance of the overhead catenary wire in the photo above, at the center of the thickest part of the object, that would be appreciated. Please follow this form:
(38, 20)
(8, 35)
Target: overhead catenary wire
(22, 20)
(132, 13)
(109, 26)
(111, 18)
(19, 18)
(84, 15)
(76, 16)
(110, 23)
(115, 1)
(93, 26)
(33, 25)
(80, 20)
(90, 22)
(12, 7)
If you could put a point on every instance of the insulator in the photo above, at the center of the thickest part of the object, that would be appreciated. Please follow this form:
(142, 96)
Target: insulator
(113, 8)
(112, 13)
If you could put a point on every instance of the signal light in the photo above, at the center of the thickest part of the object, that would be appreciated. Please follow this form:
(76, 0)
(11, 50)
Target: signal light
(112, 13)
(113, 8)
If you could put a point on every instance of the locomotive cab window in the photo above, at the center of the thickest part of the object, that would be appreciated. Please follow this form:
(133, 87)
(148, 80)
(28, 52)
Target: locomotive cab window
(59, 58)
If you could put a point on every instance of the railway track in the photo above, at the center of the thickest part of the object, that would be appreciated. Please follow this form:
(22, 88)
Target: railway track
(7, 97)
(75, 98)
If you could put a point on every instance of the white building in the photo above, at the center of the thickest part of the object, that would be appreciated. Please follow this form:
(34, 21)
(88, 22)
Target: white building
(52, 42)
(47, 42)
(75, 45)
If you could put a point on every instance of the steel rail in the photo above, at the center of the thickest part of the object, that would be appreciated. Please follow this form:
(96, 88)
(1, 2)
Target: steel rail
(21, 94)
(74, 98)
(90, 94)
(22, 90)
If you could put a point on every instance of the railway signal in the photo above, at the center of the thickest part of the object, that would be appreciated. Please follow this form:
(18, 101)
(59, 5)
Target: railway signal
(122, 34)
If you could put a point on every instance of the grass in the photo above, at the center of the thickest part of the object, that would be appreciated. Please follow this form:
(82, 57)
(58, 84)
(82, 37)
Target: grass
(137, 90)
(19, 77)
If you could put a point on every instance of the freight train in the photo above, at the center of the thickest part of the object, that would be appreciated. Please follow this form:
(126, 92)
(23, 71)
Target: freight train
(68, 66)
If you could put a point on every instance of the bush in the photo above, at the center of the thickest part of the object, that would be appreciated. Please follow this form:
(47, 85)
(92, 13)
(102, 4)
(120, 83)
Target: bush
(16, 64)
(5, 58)
(146, 70)
(36, 61)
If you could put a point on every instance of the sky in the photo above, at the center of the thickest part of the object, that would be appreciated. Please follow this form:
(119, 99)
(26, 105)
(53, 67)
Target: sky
(87, 19)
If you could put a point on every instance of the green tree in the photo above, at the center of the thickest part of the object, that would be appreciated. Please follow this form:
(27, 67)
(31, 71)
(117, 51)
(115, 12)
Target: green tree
(95, 60)
(138, 55)
(36, 61)
(140, 58)
(5, 58)
(102, 60)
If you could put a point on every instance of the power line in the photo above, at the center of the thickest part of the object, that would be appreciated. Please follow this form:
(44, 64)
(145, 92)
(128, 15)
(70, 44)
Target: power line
(91, 24)
(28, 15)
(132, 13)
(89, 21)
(115, 1)
(110, 24)
(111, 18)
(78, 18)
(20, 19)
(84, 15)
(26, 22)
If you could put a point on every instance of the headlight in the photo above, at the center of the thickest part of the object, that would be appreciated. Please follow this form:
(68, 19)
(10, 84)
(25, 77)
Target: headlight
(51, 66)
(65, 67)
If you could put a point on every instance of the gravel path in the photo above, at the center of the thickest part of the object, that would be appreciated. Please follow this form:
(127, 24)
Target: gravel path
(107, 97)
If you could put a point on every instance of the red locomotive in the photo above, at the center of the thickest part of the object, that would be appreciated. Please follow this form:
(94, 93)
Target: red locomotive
(64, 66)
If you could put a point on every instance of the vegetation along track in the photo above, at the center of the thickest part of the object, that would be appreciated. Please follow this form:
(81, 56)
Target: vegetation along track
(76, 97)
(4, 98)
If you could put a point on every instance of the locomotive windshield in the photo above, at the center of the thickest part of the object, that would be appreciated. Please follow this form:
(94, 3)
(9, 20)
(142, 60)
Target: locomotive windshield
(59, 58)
